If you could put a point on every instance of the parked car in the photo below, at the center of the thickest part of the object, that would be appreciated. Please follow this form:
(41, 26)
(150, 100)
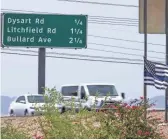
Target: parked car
(84, 95)
(25, 105)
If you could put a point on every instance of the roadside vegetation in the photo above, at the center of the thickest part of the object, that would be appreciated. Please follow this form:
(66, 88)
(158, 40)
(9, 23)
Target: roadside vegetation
(119, 121)
(11, 132)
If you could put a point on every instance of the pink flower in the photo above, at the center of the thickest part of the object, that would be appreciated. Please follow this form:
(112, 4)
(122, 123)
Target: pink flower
(37, 137)
(153, 110)
(146, 133)
(139, 132)
(128, 107)
(125, 104)
(113, 106)
(141, 97)
(158, 118)
(134, 107)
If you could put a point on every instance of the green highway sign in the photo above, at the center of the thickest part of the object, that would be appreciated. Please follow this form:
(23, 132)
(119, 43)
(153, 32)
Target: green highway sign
(44, 30)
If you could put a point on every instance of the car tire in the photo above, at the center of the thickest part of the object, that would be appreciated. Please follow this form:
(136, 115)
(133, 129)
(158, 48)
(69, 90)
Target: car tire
(11, 113)
(62, 110)
(86, 108)
(26, 113)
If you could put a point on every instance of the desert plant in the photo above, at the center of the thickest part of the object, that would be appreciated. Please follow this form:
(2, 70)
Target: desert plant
(129, 122)
(120, 120)
(10, 132)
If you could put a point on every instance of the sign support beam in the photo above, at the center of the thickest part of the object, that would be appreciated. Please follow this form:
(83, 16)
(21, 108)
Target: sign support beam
(145, 52)
(41, 70)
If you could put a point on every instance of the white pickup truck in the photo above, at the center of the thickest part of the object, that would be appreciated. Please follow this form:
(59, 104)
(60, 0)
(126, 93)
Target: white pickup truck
(85, 95)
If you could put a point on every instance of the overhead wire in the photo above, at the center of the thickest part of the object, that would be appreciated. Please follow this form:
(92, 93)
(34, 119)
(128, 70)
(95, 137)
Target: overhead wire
(111, 23)
(113, 38)
(121, 21)
(79, 55)
(107, 18)
(128, 54)
(126, 48)
(100, 3)
(35, 12)
(75, 58)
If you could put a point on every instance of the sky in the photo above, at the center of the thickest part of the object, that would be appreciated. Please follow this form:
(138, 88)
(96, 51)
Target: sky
(19, 74)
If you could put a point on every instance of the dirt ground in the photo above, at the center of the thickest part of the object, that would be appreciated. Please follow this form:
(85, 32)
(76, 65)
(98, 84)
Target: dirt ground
(30, 125)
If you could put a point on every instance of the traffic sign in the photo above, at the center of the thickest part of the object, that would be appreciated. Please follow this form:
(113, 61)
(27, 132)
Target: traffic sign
(44, 30)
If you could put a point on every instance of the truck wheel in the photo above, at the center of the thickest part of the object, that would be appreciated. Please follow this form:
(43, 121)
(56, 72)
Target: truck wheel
(26, 113)
(11, 113)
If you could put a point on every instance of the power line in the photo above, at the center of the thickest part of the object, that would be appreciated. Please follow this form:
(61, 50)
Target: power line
(35, 12)
(107, 18)
(120, 22)
(124, 40)
(100, 3)
(114, 22)
(94, 22)
(74, 58)
(126, 48)
(130, 54)
(79, 55)
(116, 52)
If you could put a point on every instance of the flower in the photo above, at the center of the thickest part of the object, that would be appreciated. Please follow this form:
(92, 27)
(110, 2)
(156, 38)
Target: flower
(124, 105)
(147, 133)
(113, 106)
(139, 132)
(134, 107)
(37, 137)
(128, 107)
(158, 118)
(141, 97)
(153, 110)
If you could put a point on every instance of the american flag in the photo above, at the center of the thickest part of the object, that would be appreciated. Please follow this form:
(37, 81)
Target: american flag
(155, 74)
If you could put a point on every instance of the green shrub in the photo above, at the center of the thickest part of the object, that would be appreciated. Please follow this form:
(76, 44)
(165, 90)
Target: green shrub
(10, 132)
(119, 121)
(128, 121)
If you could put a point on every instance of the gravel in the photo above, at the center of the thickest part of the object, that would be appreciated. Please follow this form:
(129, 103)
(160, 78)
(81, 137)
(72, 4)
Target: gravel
(163, 127)
(30, 125)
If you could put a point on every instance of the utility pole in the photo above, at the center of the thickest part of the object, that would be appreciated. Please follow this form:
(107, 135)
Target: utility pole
(41, 70)
(145, 52)
(166, 30)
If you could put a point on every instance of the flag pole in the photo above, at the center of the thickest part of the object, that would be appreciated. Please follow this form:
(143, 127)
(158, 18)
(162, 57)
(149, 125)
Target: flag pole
(166, 29)
(145, 52)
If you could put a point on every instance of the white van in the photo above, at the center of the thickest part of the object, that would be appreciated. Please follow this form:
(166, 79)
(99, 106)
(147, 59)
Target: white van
(86, 95)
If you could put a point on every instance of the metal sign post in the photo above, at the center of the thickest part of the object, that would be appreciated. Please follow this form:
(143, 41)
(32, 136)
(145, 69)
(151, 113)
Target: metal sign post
(145, 51)
(41, 70)
(166, 28)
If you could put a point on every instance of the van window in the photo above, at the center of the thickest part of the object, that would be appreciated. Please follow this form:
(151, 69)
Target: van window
(70, 91)
(102, 90)
(83, 93)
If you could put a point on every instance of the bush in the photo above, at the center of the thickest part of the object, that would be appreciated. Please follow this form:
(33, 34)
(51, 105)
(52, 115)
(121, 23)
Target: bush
(10, 132)
(119, 121)
(128, 121)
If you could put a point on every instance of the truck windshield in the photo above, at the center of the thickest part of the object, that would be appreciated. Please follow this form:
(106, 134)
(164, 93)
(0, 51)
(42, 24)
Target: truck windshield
(102, 90)
(35, 99)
